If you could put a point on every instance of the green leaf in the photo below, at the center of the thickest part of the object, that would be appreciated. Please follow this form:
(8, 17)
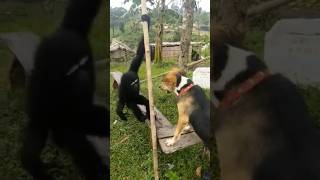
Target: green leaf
(137, 2)
(172, 175)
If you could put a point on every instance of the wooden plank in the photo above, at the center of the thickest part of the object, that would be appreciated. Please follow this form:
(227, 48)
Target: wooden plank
(168, 131)
(185, 141)
(164, 128)
(161, 120)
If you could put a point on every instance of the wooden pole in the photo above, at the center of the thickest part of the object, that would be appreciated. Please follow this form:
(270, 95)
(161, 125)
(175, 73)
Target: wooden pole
(150, 93)
(188, 66)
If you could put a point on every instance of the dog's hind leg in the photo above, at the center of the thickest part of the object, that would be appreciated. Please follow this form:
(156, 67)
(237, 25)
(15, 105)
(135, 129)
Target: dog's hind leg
(33, 143)
(201, 124)
(144, 101)
(136, 111)
(120, 106)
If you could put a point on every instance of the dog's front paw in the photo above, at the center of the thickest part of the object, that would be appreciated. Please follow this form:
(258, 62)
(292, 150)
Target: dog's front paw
(170, 142)
(187, 128)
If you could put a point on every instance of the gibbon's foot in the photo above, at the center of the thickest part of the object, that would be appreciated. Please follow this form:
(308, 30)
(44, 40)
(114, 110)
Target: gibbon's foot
(148, 118)
(206, 175)
(143, 118)
(124, 118)
(146, 18)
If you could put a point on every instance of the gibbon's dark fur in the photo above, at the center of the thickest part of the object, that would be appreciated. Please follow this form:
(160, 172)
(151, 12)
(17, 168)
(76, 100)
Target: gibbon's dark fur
(129, 89)
(60, 97)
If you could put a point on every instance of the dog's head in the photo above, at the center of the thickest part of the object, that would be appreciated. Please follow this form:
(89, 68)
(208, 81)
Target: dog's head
(170, 80)
(231, 65)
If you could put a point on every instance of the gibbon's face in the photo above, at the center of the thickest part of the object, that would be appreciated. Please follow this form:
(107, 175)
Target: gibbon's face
(169, 81)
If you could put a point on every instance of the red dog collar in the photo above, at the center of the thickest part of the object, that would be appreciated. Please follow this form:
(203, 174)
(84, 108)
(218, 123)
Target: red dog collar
(234, 94)
(186, 89)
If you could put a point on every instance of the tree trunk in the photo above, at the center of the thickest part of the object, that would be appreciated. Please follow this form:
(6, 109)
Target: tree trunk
(158, 47)
(186, 31)
(266, 6)
(232, 16)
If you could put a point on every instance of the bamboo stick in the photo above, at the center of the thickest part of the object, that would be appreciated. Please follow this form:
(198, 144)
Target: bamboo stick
(150, 93)
(190, 65)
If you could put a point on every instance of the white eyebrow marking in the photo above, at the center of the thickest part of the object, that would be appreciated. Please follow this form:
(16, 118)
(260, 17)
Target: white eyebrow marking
(76, 66)
(134, 82)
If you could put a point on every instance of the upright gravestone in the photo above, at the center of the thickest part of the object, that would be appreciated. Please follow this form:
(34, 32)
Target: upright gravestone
(201, 77)
(292, 48)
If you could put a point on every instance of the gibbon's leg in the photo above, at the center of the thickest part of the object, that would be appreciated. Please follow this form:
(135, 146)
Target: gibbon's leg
(144, 101)
(85, 156)
(120, 106)
(136, 111)
(99, 123)
(34, 141)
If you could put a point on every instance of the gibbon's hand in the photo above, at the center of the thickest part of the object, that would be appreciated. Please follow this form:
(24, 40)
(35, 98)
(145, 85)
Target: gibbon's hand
(146, 18)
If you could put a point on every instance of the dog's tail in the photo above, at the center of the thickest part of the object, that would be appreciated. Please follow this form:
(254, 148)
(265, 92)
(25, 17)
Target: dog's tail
(79, 15)
(137, 60)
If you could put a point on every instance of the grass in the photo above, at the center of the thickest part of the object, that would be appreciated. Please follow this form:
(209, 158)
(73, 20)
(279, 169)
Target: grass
(131, 154)
(31, 17)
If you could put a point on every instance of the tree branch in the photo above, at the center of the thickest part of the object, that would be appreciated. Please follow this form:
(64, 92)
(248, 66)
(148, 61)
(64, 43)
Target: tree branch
(266, 6)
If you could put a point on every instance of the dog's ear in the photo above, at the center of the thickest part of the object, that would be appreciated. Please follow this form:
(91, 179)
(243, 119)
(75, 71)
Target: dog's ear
(179, 71)
(183, 72)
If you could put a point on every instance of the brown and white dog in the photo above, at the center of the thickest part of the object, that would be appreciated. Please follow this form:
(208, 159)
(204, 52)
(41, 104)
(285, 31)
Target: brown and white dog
(261, 126)
(193, 105)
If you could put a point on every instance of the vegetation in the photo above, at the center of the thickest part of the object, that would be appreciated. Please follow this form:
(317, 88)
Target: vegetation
(19, 16)
(124, 24)
(131, 154)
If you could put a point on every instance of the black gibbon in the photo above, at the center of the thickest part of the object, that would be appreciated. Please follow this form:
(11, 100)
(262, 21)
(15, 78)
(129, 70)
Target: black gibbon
(129, 89)
(60, 98)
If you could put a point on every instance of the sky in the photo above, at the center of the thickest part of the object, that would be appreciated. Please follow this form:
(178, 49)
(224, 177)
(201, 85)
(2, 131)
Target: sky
(204, 4)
